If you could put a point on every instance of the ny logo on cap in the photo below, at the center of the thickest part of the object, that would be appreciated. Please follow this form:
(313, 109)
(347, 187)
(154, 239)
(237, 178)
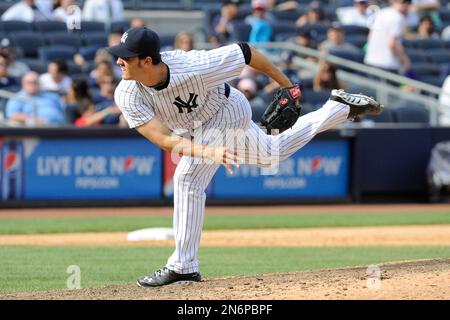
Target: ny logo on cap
(124, 37)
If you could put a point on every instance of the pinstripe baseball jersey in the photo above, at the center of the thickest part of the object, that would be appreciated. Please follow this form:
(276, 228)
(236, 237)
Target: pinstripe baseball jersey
(195, 91)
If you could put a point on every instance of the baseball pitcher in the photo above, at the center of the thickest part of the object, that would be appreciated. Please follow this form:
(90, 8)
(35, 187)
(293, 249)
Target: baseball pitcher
(164, 94)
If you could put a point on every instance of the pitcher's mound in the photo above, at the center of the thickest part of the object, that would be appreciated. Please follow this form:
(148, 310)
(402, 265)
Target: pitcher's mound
(422, 279)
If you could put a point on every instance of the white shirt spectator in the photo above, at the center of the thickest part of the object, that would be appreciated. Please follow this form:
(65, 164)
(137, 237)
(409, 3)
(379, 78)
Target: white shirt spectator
(444, 100)
(388, 23)
(105, 11)
(355, 16)
(23, 11)
(47, 83)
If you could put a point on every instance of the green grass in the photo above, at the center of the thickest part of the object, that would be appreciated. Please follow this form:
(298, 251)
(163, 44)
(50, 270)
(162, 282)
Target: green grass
(129, 223)
(24, 268)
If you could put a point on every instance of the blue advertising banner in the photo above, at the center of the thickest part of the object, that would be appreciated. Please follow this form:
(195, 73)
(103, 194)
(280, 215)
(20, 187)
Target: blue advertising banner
(91, 169)
(320, 169)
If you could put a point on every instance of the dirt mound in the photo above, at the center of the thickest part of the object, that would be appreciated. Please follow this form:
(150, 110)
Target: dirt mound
(422, 279)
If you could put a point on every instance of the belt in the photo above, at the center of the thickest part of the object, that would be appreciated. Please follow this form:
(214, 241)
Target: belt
(227, 90)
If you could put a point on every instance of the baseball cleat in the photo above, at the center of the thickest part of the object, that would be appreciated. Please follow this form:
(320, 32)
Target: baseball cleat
(165, 276)
(359, 104)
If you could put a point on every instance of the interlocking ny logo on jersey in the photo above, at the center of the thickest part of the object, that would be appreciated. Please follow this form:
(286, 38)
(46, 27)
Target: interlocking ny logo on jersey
(189, 105)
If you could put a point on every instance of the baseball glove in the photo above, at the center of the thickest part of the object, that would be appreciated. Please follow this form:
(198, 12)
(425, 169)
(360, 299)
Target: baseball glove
(284, 109)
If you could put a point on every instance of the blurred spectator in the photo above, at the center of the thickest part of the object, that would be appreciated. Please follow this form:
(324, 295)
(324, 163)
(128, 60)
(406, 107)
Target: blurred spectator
(444, 100)
(104, 100)
(384, 46)
(137, 23)
(261, 30)
(313, 15)
(6, 81)
(184, 41)
(336, 41)
(46, 7)
(16, 69)
(56, 78)
(105, 11)
(78, 100)
(425, 30)
(222, 25)
(357, 15)
(25, 10)
(421, 8)
(326, 77)
(249, 88)
(64, 10)
(47, 105)
(114, 39)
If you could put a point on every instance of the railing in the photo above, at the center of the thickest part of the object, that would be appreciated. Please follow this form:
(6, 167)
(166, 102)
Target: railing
(386, 92)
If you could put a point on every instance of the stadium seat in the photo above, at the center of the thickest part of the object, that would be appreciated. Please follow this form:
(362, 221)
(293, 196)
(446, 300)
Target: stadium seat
(358, 40)
(94, 38)
(13, 26)
(28, 42)
(431, 79)
(92, 26)
(119, 26)
(429, 43)
(410, 112)
(35, 64)
(64, 38)
(349, 55)
(368, 91)
(53, 52)
(317, 31)
(283, 30)
(417, 55)
(410, 44)
(315, 98)
(241, 31)
(288, 15)
(439, 55)
(88, 52)
(50, 26)
(167, 40)
(425, 69)
(354, 29)
(387, 116)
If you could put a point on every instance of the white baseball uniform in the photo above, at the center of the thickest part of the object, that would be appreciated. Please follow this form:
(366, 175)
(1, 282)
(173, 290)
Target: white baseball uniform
(197, 99)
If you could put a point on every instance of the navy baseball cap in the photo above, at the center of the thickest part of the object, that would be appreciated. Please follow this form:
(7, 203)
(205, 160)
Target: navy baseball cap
(137, 42)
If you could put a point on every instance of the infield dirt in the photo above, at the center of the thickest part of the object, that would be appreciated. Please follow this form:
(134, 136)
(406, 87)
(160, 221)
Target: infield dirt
(423, 279)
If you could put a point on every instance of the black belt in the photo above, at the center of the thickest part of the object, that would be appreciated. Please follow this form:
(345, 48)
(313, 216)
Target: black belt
(227, 90)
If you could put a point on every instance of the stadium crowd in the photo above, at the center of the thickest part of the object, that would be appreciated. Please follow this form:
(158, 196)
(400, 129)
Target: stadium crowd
(52, 53)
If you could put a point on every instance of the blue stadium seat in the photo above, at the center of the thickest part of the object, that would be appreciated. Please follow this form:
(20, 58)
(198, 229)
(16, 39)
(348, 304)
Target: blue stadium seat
(28, 42)
(429, 43)
(315, 98)
(386, 116)
(363, 90)
(92, 26)
(88, 52)
(431, 79)
(410, 44)
(317, 31)
(13, 26)
(119, 26)
(426, 69)
(50, 26)
(417, 55)
(49, 53)
(354, 29)
(358, 40)
(283, 30)
(35, 64)
(167, 40)
(349, 55)
(410, 112)
(241, 31)
(439, 55)
(94, 38)
(288, 15)
(64, 38)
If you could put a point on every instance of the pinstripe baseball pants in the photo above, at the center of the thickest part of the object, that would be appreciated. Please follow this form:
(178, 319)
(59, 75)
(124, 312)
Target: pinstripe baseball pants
(192, 175)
